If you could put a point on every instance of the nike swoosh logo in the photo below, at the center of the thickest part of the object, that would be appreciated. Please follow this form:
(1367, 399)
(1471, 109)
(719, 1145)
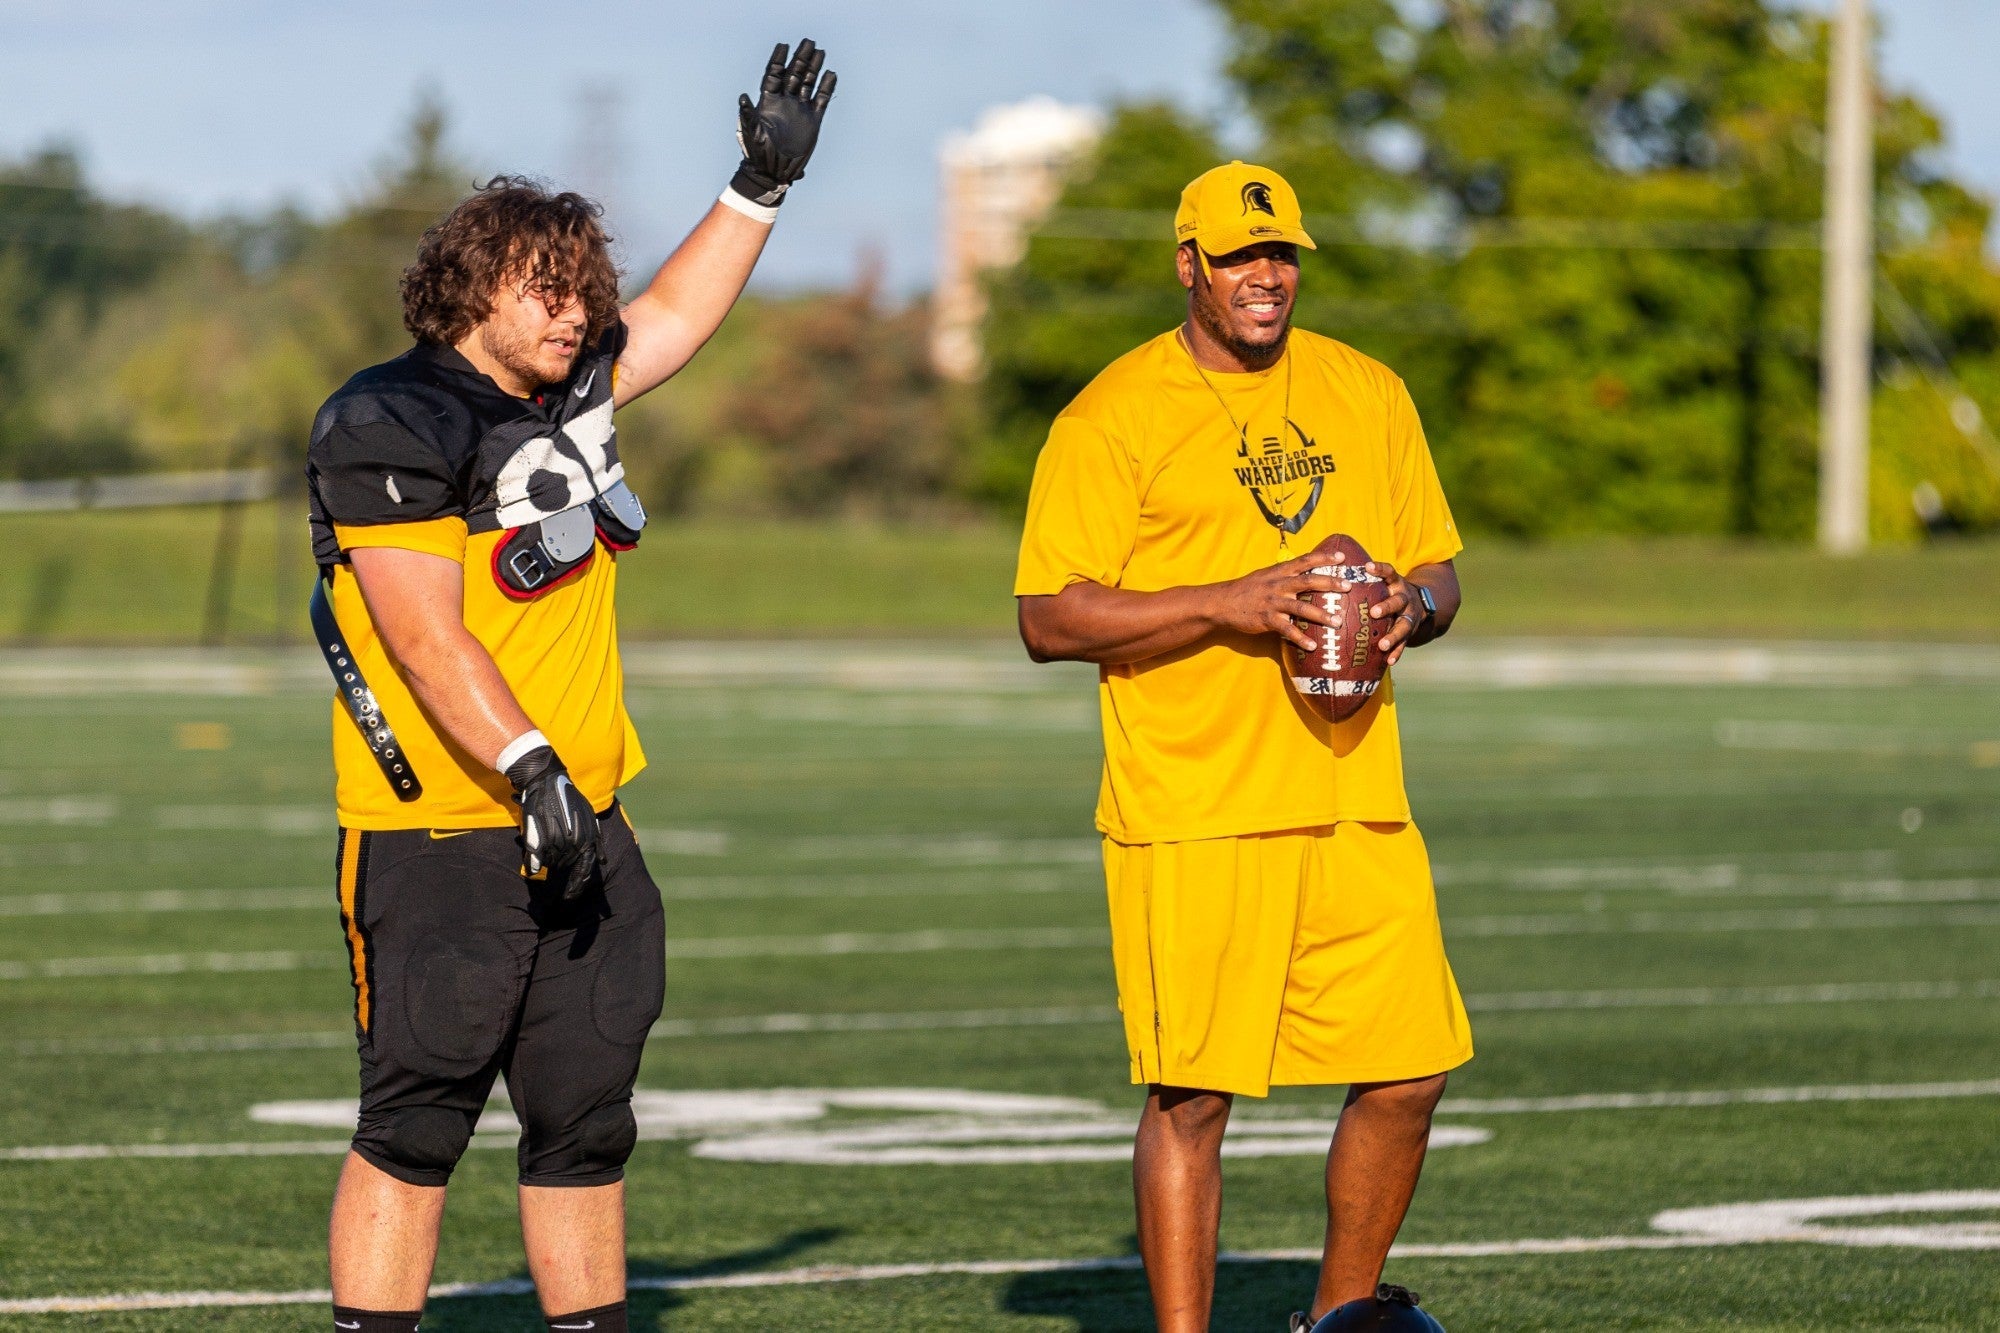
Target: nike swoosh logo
(581, 390)
(339, 1324)
(591, 1324)
(439, 835)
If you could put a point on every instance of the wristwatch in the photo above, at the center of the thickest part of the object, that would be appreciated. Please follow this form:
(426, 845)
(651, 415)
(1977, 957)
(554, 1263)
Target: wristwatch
(1430, 607)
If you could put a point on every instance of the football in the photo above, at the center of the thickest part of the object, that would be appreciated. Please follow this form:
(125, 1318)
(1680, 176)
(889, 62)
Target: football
(1338, 680)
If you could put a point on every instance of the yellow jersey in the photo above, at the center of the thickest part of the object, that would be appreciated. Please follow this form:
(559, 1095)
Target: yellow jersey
(426, 454)
(1160, 475)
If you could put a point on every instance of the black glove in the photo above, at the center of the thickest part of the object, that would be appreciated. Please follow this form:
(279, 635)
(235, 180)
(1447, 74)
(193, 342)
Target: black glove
(558, 827)
(779, 132)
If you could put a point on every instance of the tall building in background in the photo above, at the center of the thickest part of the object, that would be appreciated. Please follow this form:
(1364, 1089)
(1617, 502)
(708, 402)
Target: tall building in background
(998, 182)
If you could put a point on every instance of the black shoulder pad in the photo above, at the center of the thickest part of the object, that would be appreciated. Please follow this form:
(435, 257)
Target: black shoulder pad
(388, 447)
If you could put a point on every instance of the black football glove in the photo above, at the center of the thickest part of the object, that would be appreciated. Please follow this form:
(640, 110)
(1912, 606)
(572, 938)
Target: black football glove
(558, 827)
(779, 132)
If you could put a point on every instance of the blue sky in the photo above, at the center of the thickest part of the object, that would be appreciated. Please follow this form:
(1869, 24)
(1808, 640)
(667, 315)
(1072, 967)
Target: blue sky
(209, 105)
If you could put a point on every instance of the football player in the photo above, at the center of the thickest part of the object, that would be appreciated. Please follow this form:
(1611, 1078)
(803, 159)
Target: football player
(468, 513)
(1272, 914)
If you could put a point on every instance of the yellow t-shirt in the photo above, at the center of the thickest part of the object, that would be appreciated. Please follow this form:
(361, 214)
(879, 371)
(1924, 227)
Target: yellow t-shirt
(558, 654)
(1145, 483)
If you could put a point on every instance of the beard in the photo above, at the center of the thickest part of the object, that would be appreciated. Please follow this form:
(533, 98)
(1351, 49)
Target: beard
(1213, 318)
(523, 356)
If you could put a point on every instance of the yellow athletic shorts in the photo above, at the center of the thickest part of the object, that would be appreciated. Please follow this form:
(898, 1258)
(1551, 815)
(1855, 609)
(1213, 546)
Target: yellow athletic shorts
(1311, 956)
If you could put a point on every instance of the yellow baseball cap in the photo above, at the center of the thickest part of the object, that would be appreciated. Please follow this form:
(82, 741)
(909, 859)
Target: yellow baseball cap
(1233, 206)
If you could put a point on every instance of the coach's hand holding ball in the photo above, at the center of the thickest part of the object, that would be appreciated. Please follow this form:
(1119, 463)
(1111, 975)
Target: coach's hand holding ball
(1274, 601)
(558, 827)
(1402, 612)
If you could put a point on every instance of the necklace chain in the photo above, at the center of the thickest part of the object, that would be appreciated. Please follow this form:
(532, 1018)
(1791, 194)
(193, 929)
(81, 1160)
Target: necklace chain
(1240, 427)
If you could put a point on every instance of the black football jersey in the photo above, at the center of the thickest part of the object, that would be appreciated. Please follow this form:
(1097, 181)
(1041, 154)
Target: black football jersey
(426, 436)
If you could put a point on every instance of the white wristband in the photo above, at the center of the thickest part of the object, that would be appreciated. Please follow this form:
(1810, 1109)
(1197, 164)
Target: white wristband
(517, 747)
(749, 208)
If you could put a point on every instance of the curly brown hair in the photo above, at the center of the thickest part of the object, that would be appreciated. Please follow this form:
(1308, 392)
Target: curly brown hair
(512, 229)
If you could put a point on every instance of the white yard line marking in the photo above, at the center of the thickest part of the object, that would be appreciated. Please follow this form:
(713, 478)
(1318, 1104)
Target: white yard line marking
(911, 1021)
(1780, 1221)
(673, 1115)
(94, 1152)
(90, 811)
(926, 669)
(277, 820)
(890, 942)
(939, 1020)
(1837, 738)
(817, 1275)
(1708, 923)
(939, 882)
(218, 1043)
(1670, 872)
(746, 946)
(967, 881)
(1059, 937)
(166, 964)
(1698, 997)
(947, 848)
(1647, 1101)
(146, 901)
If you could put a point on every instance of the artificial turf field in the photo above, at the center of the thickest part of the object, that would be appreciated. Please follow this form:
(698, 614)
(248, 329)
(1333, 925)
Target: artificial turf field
(882, 876)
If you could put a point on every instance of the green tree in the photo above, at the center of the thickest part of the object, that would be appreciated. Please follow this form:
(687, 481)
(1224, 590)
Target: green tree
(841, 408)
(1584, 231)
(65, 253)
(1075, 303)
(222, 357)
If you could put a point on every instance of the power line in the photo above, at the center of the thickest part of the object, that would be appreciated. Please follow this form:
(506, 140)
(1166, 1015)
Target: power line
(1527, 233)
(1921, 343)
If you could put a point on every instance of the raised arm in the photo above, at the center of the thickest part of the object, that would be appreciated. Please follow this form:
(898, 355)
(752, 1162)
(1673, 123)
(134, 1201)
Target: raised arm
(693, 291)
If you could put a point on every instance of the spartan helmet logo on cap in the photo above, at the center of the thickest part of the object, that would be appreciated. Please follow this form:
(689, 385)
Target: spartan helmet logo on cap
(1257, 198)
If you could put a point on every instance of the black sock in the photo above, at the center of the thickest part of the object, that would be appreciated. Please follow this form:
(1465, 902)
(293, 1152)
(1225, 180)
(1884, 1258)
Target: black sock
(375, 1321)
(603, 1319)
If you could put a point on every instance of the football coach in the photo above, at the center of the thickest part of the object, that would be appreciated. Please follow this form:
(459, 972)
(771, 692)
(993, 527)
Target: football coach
(1272, 914)
(468, 510)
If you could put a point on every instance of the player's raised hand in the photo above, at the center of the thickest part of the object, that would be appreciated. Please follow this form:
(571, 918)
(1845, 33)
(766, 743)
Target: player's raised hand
(780, 130)
(1268, 601)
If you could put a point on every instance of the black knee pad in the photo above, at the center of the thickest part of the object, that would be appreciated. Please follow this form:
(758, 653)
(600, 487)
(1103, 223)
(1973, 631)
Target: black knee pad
(418, 1145)
(592, 1151)
(609, 1134)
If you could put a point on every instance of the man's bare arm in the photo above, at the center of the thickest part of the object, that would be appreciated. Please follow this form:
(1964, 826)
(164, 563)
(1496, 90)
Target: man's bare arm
(688, 298)
(1089, 622)
(417, 602)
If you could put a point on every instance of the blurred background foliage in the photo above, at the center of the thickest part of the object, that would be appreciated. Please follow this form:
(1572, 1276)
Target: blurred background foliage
(140, 341)
(1581, 229)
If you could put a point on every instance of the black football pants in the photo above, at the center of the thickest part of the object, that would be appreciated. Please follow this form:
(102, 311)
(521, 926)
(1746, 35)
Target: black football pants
(464, 970)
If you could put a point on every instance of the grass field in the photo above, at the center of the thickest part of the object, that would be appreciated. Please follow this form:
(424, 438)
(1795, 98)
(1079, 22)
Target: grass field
(1783, 899)
(143, 576)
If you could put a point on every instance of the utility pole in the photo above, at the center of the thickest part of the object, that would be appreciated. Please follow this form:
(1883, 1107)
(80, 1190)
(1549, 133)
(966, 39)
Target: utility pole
(1847, 317)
